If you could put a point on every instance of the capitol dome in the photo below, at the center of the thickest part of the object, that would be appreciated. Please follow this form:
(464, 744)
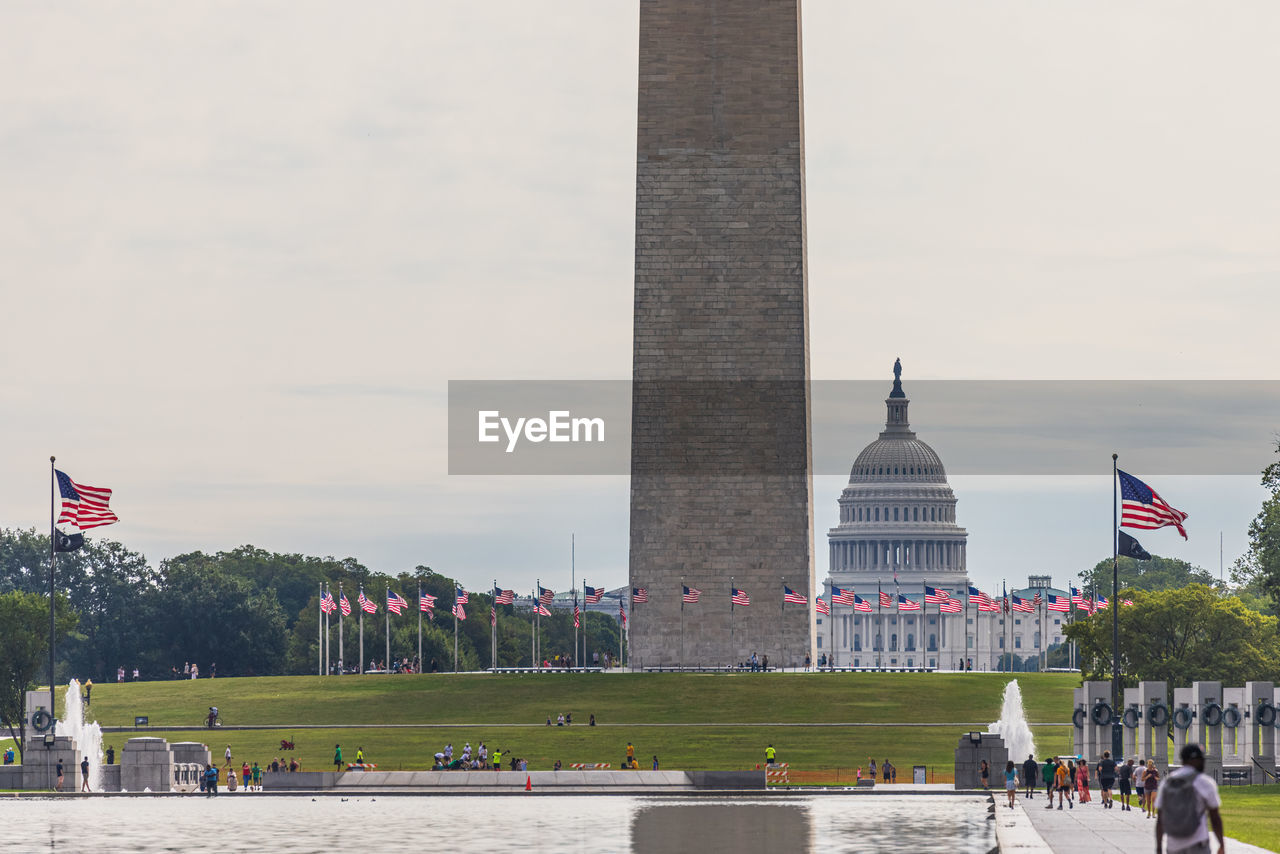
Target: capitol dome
(897, 513)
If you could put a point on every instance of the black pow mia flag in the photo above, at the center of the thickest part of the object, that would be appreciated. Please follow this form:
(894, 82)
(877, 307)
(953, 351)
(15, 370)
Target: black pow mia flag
(1129, 547)
(67, 542)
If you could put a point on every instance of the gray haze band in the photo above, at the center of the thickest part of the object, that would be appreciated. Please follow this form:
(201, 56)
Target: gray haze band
(1013, 427)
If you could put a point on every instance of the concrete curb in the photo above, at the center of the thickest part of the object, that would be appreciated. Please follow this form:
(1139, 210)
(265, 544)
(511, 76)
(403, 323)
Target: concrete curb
(1014, 831)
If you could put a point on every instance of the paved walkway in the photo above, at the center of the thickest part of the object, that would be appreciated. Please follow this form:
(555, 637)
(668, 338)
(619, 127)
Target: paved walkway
(1086, 829)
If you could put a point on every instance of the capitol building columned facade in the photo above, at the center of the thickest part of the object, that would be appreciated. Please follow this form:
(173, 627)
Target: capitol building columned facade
(898, 533)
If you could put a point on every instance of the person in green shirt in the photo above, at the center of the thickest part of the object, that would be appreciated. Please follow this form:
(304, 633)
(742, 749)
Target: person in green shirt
(257, 777)
(1046, 774)
(770, 754)
(497, 760)
(337, 754)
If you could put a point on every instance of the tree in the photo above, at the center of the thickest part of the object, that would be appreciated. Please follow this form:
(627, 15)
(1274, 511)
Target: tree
(1159, 573)
(24, 650)
(1259, 567)
(1181, 636)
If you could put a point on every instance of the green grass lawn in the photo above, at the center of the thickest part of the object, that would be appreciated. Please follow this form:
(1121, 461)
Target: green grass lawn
(1252, 814)
(509, 711)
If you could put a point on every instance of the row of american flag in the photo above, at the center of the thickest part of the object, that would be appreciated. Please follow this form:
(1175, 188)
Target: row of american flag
(945, 600)
(396, 603)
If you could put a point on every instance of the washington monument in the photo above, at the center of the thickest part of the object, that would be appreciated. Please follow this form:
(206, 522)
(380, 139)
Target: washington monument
(721, 484)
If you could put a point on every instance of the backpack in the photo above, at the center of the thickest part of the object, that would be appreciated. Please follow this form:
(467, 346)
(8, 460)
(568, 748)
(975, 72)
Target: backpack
(1180, 806)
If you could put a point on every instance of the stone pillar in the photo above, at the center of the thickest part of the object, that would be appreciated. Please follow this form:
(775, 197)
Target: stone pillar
(1155, 739)
(969, 756)
(1097, 738)
(39, 763)
(146, 763)
(1204, 696)
(1133, 735)
(721, 453)
(1183, 698)
(1234, 751)
(1078, 733)
(1260, 741)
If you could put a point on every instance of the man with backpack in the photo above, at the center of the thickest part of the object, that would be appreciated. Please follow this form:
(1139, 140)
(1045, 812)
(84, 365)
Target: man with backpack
(1186, 798)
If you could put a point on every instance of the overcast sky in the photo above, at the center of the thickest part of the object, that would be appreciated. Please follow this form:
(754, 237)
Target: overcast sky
(246, 245)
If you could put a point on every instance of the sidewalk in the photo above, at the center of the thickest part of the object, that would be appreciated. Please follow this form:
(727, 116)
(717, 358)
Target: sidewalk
(1090, 829)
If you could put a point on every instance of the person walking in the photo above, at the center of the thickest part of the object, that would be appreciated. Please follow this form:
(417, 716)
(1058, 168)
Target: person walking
(1139, 785)
(1151, 783)
(359, 755)
(59, 770)
(84, 775)
(1082, 781)
(984, 771)
(1030, 773)
(226, 754)
(1046, 774)
(1126, 784)
(1010, 781)
(770, 755)
(1062, 780)
(1106, 777)
(337, 754)
(1187, 798)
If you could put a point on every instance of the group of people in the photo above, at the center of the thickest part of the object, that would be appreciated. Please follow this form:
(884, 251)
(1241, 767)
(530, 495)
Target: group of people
(190, 670)
(467, 760)
(755, 663)
(888, 769)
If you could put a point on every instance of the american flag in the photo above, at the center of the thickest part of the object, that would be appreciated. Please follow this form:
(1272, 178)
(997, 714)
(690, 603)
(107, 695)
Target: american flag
(1126, 601)
(1102, 602)
(1141, 507)
(639, 594)
(503, 597)
(426, 602)
(459, 611)
(84, 506)
(987, 605)
(365, 605)
(460, 596)
(542, 609)
(983, 599)
(394, 603)
(951, 606)
(860, 604)
(886, 601)
(326, 603)
(821, 606)
(575, 615)
(622, 614)
(344, 605)
(739, 597)
(592, 594)
(1076, 598)
(1037, 601)
(545, 595)
(1087, 604)
(1058, 603)
(839, 594)
(1021, 605)
(905, 604)
(691, 595)
(935, 597)
(789, 595)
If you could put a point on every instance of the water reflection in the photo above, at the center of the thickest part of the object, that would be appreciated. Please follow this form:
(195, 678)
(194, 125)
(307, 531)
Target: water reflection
(480, 824)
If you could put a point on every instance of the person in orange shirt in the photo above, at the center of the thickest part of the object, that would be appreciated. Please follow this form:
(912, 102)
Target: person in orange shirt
(1061, 782)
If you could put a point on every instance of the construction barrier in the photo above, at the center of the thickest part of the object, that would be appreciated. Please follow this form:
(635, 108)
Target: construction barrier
(360, 766)
(776, 774)
(589, 766)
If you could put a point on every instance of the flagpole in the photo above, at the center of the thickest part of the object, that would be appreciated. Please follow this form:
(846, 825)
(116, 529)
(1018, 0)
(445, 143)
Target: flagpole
(361, 603)
(682, 622)
(831, 620)
(1117, 701)
(419, 627)
(320, 631)
(537, 622)
(493, 630)
(573, 585)
(342, 667)
(782, 619)
(879, 623)
(326, 636)
(53, 564)
(533, 632)
(386, 664)
(455, 627)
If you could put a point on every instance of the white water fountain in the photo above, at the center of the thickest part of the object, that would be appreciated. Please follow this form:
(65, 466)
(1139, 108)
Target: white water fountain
(87, 736)
(1012, 726)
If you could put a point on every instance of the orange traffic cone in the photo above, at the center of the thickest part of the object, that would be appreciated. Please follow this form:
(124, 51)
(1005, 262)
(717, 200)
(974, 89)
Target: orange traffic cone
(528, 783)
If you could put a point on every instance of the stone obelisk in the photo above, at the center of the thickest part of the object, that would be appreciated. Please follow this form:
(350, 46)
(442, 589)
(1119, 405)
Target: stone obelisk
(721, 482)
